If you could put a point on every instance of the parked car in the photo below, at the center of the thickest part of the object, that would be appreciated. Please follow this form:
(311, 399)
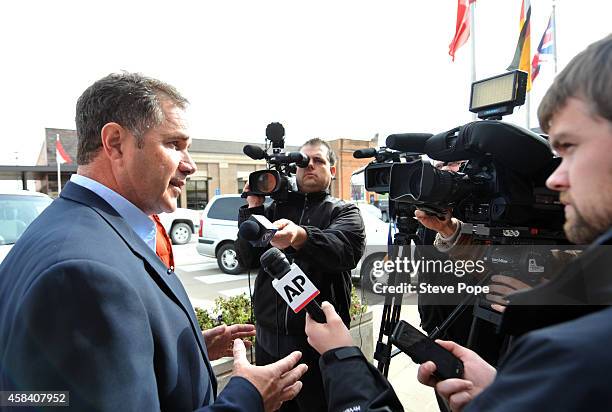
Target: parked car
(181, 224)
(377, 233)
(219, 230)
(18, 209)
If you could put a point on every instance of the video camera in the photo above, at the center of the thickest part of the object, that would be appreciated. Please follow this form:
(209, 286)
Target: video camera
(499, 194)
(276, 180)
(501, 183)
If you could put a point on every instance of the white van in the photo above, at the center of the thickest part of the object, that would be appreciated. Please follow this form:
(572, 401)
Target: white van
(219, 230)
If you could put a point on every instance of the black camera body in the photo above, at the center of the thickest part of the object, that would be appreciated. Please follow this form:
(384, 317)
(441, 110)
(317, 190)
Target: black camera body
(277, 179)
(502, 182)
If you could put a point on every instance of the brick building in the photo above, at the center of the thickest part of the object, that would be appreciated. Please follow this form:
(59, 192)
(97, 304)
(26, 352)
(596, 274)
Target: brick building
(222, 167)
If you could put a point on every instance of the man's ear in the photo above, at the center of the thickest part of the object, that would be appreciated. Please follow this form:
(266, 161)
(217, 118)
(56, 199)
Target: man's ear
(332, 170)
(113, 137)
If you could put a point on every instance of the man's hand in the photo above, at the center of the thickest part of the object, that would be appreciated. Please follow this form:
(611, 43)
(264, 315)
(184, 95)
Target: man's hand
(500, 288)
(288, 234)
(277, 382)
(446, 227)
(477, 375)
(253, 200)
(330, 335)
(220, 340)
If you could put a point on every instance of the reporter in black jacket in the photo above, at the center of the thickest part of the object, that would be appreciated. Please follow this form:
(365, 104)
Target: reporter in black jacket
(326, 238)
(351, 382)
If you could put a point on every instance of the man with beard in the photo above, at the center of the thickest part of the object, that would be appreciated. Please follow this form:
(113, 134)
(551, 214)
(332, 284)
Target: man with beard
(563, 360)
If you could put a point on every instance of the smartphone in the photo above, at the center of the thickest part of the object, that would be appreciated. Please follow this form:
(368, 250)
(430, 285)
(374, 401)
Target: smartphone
(421, 349)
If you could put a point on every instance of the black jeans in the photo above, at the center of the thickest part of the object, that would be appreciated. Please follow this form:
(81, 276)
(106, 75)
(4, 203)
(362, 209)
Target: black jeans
(312, 396)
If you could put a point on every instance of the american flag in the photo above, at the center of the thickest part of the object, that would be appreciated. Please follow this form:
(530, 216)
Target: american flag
(546, 49)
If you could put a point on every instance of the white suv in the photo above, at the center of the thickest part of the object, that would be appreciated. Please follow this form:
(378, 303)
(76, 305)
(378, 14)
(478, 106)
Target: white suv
(181, 224)
(18, 208)
(219, 230)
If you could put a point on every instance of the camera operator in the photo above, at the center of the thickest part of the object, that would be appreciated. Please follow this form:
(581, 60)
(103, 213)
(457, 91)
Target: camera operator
(564, 362)
(326, 238)
(577, 114)
(444, 234)
(432, 227)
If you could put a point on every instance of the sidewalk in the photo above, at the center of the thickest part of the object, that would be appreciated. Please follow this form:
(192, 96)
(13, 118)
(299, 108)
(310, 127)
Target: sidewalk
(402, 372)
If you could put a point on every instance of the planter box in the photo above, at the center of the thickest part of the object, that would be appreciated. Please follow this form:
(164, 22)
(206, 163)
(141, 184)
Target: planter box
(362, 332)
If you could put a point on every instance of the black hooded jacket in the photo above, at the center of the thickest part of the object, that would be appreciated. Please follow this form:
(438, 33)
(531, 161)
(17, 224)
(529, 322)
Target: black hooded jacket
(336, 241)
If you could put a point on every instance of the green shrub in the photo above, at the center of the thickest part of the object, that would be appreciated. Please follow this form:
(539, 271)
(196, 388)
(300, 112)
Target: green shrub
(357, 308)
(229, 311)
(237, 309)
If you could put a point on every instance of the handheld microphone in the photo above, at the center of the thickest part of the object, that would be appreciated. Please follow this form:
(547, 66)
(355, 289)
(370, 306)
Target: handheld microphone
(254, 152)
(292, 284)
(408, 142)
(258, 230)
(364, 153)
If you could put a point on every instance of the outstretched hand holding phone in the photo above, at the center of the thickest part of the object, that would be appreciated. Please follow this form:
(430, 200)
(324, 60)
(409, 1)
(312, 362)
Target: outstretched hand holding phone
(477, 375)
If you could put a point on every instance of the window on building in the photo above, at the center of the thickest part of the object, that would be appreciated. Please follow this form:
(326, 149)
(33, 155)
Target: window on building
(197, 194)
(241, 182)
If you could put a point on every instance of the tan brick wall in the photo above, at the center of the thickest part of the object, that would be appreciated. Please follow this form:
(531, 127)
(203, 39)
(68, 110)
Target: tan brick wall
(228, 175)
(347, 164)
(213, 182)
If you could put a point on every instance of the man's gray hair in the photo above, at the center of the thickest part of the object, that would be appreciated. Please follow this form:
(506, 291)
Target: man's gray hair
(128, 99)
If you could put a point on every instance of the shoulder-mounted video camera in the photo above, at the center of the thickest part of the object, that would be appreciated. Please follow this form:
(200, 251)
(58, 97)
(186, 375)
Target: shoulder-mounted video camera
(502, 180)
(277, 180)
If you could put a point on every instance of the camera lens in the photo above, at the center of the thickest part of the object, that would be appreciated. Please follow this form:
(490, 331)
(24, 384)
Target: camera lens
(266, 182)
(382, 177)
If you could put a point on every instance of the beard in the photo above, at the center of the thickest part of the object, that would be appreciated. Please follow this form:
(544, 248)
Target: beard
(578, 230)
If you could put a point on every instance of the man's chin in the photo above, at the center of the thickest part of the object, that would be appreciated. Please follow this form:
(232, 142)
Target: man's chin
(170, 204)
(579, 234)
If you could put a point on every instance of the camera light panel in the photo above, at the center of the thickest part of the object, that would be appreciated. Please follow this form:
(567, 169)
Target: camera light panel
(506, 90)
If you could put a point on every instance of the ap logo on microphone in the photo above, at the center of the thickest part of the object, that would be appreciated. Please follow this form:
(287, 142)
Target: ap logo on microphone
(295, 288)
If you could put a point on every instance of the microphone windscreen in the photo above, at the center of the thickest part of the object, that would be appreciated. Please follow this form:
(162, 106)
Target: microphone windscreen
(408, 142)
(254, 152)
(249, 230)
(275, 132)
(364, 153)
(270, 259)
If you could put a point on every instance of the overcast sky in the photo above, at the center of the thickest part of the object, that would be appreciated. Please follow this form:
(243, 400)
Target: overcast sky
(323, 68)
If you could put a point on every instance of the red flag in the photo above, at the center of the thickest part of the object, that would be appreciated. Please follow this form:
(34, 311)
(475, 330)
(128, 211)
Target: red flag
(462, 29)
(61, 156)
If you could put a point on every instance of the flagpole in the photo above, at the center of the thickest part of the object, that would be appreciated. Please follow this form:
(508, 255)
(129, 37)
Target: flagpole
(528, 44)
(554, 29)
(473, 45)
(59, 178)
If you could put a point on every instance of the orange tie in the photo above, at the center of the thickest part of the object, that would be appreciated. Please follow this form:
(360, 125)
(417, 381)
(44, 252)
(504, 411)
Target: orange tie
(163, 245)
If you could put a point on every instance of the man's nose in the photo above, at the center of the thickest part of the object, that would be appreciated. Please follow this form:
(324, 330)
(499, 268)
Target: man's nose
(559, 179)
(187, 165)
